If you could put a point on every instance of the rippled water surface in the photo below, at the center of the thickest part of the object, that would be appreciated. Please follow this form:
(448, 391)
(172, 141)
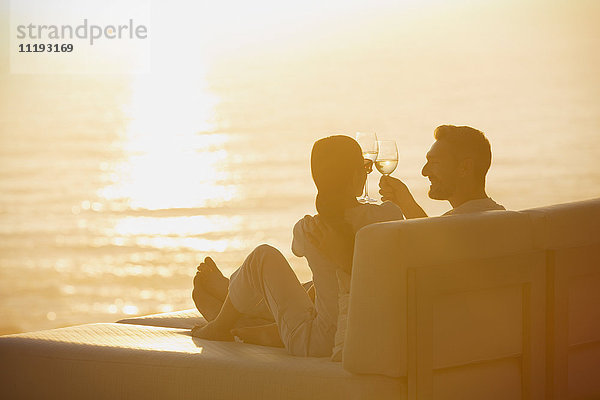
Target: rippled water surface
(112, 188)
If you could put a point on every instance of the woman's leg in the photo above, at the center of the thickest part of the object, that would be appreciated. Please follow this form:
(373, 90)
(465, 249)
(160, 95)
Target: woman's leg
(212, 280)
(211, 288)
(264, 335)
(220, 327)
(265, 276)
(208, 305)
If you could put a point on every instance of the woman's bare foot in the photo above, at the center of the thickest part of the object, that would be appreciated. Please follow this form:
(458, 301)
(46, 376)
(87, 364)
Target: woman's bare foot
(212, 280)
(264, 335)
(208, 306)
(220, 327)
(212, 331)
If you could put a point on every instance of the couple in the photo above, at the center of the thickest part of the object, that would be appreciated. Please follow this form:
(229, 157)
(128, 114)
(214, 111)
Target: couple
(264, 303)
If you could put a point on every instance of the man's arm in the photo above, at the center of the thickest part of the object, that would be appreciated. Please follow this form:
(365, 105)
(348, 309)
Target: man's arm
(397, 192)
(330, 243)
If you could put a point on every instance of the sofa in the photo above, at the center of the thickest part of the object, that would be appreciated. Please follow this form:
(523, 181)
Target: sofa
(493, 305)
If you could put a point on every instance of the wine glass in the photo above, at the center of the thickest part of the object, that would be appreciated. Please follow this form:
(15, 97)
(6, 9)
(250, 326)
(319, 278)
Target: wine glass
(387, 157)
(368, 145)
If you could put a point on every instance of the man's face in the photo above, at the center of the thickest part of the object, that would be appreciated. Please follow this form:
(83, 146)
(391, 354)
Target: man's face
(442, 170)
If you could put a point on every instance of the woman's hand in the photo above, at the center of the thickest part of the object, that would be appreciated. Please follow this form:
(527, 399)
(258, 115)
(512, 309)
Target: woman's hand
(328, 241)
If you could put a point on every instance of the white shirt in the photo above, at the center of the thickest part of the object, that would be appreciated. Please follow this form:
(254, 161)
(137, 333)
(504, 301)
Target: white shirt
(324, 277)
(478, 205)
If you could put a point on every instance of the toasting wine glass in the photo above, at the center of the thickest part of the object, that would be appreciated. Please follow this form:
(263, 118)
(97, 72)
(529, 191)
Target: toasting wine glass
(368, 145)
(387, 157)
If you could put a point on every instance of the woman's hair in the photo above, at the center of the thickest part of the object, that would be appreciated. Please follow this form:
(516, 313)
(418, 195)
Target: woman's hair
(334, 162)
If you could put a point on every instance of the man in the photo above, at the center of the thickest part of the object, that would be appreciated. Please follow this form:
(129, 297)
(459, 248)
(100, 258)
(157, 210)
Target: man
(456, 167)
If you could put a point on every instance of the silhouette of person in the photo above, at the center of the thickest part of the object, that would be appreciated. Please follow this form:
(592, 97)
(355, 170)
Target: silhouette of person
(266, 286)
(456, 166)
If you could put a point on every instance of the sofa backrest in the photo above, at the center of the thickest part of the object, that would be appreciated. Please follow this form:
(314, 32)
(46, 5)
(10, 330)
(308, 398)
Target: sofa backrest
(435, 299)
(488, 305)
(571, 234)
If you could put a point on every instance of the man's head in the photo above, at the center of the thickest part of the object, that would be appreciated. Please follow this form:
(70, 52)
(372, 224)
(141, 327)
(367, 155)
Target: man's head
(458, 160)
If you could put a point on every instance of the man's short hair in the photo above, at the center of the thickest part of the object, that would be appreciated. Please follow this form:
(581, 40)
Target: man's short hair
(467, 142)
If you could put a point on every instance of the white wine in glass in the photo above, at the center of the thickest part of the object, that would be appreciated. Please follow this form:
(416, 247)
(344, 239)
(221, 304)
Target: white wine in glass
(387, 157)
(369, 147)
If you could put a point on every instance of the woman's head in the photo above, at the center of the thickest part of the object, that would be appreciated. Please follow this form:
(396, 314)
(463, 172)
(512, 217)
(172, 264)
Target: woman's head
(337, 166)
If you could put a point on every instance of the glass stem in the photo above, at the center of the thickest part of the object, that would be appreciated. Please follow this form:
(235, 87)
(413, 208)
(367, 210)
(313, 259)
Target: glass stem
(367, 187)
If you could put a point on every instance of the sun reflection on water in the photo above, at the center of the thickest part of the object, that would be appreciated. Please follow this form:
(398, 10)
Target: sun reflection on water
(171, 156)
(176, 226)
(163, 178)
(161, 198)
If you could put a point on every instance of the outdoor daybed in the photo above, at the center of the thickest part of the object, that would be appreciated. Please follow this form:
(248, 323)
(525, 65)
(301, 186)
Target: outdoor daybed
(495, 305)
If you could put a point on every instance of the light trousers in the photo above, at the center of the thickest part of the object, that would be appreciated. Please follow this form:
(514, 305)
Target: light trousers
(266, 286)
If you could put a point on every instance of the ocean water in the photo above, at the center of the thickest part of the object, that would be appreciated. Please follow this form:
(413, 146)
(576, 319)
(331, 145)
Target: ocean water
(113, 188)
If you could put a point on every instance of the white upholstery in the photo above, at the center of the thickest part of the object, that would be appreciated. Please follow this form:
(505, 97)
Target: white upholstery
(571, 234)
(495, 305)
(567, 225)
(488, 305)
(185, 319)
(385, 253)
(112, 361)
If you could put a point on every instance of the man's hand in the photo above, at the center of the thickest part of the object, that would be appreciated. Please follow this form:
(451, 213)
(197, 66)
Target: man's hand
(397, 192)
(394, 190)
(328, 241)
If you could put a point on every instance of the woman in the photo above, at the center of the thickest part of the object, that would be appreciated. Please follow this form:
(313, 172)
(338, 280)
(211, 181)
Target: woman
(265, 284)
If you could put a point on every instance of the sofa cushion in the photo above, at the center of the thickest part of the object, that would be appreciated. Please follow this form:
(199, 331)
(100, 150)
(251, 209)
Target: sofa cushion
(108, 361)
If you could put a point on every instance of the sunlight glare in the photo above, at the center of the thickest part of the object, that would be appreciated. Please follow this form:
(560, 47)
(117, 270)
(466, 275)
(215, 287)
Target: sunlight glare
(172, 160)
(175, 226)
